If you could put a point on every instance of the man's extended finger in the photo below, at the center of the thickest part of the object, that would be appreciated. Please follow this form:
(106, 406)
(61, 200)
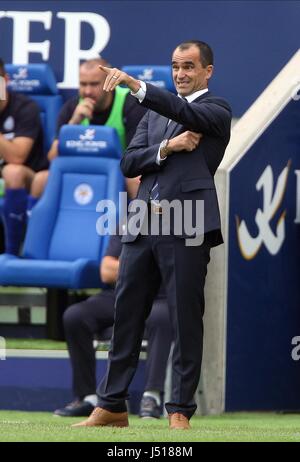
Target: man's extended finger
(107, 71)
(104, 69)
(112, 76)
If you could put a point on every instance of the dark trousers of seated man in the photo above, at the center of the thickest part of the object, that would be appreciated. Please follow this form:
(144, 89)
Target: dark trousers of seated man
(85, 320)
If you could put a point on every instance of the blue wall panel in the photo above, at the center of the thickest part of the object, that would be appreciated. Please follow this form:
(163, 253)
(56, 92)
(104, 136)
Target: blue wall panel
(252, 40)
(44, 384)
(264, 291)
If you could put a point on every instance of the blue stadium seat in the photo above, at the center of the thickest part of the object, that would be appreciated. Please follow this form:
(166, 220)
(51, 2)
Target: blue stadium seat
(91, 141)
(62, 248)
(160, 76)
(39, 83)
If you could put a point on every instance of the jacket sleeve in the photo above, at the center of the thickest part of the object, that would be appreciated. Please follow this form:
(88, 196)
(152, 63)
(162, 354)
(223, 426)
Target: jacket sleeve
(139, 158)
(210, 116)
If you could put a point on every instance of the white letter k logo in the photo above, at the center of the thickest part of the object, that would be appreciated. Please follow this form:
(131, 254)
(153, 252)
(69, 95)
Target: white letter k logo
(249, 245)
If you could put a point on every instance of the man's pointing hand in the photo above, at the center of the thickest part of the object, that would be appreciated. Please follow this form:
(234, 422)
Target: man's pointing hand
(116, 77)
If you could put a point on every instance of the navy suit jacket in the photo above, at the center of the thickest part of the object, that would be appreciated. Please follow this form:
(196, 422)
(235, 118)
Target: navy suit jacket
(183, 175)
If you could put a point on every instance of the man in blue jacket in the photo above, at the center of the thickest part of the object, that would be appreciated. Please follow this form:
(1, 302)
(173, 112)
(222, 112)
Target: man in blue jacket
(166, 151)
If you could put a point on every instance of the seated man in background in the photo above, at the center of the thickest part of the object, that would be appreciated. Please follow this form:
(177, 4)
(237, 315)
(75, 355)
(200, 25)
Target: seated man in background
(84, 320)
(94, 106)
(21, 154)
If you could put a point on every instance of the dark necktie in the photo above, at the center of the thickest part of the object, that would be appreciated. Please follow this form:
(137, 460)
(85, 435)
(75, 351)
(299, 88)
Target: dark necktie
(154, 193)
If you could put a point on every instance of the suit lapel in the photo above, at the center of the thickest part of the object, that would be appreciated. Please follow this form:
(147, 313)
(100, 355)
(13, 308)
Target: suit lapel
(161, 127)
(170, 129)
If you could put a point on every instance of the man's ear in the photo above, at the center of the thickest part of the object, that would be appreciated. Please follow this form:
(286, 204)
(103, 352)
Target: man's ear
(209, 71)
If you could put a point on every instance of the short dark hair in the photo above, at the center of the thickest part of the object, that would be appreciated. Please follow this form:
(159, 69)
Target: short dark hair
(205, 51)
(2, 68)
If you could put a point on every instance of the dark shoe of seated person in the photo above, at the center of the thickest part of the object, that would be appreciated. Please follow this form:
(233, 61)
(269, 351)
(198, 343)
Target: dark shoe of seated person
(149, 409)
(75, 409)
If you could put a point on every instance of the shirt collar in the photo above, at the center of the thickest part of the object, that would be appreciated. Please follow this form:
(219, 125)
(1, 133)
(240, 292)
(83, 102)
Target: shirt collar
(195, 95)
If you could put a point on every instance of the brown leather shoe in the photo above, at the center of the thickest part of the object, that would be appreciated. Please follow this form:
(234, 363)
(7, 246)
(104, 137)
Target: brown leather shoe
(178, 421)
(102, 418)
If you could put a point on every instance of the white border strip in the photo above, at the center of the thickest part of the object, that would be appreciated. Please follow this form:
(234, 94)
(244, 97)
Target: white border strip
(54, 354)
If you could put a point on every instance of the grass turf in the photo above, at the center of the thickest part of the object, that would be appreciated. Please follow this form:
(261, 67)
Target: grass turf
(34, 344)
(238, 427)
(43, 344)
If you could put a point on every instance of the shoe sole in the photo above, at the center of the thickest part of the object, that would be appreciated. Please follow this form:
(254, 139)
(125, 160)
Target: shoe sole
(114, 424)
(179, 428)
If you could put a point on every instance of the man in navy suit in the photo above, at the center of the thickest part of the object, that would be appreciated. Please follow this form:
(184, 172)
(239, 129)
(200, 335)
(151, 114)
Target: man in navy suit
(177, 148)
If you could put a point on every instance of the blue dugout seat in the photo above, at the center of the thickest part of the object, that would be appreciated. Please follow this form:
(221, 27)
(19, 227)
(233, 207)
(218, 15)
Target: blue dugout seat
(39, 83)
(62, 248)
(160, 76)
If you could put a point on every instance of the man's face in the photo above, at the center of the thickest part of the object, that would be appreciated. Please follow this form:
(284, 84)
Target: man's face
(188, 73)
(91, 82)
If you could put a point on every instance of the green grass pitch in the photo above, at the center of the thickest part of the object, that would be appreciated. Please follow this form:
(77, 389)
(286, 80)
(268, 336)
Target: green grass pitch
(239, 427)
